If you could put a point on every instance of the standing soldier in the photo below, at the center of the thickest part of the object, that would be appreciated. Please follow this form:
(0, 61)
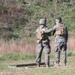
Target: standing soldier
(43, 42)
(61, 37)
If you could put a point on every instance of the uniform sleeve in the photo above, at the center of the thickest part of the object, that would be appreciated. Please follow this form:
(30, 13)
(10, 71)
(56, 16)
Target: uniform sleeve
(54, 27)
(53, 30)
(47, 30)
(50, 30)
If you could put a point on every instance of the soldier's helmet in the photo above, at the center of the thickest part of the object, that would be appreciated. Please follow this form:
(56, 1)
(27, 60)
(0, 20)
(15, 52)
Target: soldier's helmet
(42, 21)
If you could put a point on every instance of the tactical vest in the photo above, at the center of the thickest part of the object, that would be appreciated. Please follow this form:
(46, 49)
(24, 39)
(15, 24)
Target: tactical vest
(61, 30)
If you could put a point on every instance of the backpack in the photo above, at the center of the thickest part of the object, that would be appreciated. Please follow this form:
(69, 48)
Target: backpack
(40, 34)
(61, 30)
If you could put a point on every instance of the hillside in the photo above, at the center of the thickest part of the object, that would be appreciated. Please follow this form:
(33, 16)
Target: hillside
(19, 18)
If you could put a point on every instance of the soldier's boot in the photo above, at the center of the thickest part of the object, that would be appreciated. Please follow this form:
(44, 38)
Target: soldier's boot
(47, 60)
(48, 64)
(64, 63)
(57, 63)
(38, 63)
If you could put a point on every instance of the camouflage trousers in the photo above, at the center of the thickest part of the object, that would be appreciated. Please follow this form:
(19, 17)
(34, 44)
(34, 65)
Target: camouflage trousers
(58, 48)
(43, 46)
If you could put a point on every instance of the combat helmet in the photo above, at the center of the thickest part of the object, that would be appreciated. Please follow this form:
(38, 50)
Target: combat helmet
(42, 21)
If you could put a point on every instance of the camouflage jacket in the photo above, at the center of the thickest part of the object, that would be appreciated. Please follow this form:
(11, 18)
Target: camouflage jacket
(58, 38)
(45, 32)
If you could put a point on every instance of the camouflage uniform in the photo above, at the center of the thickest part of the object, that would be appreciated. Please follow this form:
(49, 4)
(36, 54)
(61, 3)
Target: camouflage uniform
(43, 44)
(60, 44)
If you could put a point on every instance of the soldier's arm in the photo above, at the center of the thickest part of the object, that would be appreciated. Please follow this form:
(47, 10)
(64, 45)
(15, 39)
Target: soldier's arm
(54, 29)
(48, 30)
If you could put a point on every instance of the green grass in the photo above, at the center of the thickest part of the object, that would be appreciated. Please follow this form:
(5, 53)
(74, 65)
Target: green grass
(20, 56)
(68, 70)
(70, 53)
(3, 67)
(16, 58)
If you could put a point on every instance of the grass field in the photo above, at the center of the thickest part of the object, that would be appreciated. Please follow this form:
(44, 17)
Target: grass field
(5, 69)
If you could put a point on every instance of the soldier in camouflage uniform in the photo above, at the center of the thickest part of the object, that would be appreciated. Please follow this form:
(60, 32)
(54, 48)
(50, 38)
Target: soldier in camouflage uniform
(43, 42)
(61, 37)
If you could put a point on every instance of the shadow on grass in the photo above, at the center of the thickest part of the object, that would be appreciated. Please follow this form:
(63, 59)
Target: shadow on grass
(28, 65)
